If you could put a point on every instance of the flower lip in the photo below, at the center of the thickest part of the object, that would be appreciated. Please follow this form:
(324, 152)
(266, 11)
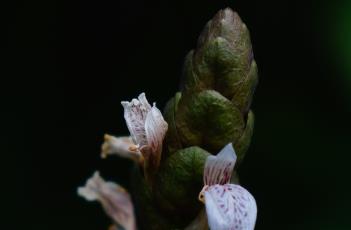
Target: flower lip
(228, 206)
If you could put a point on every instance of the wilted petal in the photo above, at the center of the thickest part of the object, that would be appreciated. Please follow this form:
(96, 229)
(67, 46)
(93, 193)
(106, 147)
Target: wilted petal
(135, 113)
(121, 146)
(230, 207)
(218, 169)
(115, 200)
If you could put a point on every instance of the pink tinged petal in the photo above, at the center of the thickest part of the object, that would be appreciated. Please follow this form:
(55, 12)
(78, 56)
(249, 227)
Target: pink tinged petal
(156, 128)
(135, 113)
(230, 207)
(114, 199)
(148, 129)
(218, 169)
(120, 146)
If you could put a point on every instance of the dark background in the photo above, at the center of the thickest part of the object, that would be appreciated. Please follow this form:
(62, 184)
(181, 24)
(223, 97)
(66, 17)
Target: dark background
(71, 63)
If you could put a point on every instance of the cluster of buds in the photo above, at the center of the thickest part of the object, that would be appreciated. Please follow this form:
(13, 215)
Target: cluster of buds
(184, 175)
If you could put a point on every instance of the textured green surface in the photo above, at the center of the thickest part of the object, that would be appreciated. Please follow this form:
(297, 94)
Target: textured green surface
(243, 95)
(172, 141)
(212, 110)
(209, 120)
(173, 203)
(179, 183)
(220, 77)
(149, 216)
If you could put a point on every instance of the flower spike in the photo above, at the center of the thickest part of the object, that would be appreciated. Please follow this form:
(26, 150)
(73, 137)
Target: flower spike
(228, 206)
(114, 199)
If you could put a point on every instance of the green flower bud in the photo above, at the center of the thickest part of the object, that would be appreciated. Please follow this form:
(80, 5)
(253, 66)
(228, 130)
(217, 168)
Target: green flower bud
(223, 56)
(219, 80)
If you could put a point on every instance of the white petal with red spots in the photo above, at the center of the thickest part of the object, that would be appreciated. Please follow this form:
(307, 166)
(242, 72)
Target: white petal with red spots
(230, 207)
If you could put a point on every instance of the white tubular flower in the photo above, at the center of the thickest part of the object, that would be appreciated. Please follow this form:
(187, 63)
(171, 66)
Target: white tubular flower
(228, 206)
(120, 146)
(147, 129)
(114, 199)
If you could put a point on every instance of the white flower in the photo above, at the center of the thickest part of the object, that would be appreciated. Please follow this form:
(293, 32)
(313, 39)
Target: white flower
(147, 129)
(114, 199)
(228, 206)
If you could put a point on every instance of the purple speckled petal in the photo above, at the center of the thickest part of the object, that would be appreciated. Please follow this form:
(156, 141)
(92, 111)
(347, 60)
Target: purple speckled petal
(218, 169)
(230, 207)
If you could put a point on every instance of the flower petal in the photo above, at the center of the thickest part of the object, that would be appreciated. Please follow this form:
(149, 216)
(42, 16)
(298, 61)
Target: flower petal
(218, 169)
(230, 207)
(156, 128)
(135, 113)
(115, 200)
(121, 146)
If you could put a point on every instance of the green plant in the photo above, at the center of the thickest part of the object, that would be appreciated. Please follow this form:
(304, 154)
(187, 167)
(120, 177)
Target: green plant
(176, 171)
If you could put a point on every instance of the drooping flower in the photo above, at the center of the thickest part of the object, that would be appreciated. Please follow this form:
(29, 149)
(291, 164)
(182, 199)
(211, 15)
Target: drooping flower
(120, 146)
(115, 200)
(147, 129)
(228, 206)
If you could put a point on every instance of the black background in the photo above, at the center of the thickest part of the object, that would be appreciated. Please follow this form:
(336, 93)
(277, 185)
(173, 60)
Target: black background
(71, 63)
